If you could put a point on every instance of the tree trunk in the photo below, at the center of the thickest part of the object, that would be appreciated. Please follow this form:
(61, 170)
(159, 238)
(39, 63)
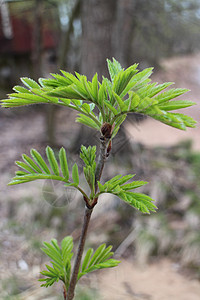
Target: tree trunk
(98, 19)
(124, 32)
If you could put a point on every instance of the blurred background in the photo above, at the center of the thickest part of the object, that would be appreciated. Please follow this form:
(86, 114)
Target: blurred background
(160, 253)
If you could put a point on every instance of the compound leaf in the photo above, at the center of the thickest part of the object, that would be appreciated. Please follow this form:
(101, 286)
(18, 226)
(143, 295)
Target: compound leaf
(61, 262)
(139, 201)
(99, 260)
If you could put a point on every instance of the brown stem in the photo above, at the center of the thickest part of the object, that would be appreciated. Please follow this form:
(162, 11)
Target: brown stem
(87, 216)
(70, 294)
(101, 160)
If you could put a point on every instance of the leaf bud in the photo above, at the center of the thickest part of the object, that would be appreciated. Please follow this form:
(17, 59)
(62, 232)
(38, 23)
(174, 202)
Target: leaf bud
(106, 130)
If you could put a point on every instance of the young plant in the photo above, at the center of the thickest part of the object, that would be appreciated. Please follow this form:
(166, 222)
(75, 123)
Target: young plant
(102, 106)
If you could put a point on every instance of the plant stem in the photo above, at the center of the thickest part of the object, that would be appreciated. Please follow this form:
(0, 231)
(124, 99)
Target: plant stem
(87, 216)
(101, 160)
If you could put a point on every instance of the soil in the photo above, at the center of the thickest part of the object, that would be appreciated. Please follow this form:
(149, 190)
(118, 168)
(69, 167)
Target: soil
(160, 280)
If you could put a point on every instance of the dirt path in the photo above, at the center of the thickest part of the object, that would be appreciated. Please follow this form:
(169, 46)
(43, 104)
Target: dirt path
(159, 281)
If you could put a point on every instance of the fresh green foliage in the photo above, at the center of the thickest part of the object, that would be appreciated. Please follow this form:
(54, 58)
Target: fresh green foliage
(100, 259)
(36, 168)
(88, 155)
(61, 261)
(103, 106)
(118, 187)
(128, 91)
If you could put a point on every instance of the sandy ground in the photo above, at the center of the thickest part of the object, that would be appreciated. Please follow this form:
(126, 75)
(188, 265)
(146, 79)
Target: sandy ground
(158, 281)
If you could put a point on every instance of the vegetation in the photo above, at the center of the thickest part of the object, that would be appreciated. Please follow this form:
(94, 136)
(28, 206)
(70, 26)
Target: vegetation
(102, 106)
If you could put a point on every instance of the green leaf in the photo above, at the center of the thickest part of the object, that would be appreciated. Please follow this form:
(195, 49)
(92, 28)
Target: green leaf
(146, 103)
(20, 173)
(102, 188)
(177, 104)
(140, 79)
(87, 121)
(119, 120)
(111, 107)
(31, 163)
(52, 160)
(171, 119)
(122, 80)
(170, 94)
(40, 170)
(66, 245)
(134, 100)
(114, 68)
(63, 163)
(30, 83)
(139, 201)
(122, 180)
(109, 90)
(120, 102)
(69, 92)
(188, 121)
(86, 259)
(88, 155)
(53, 253)
(88, 89)
(85, 107)
(55, 244)
(95, 86)
(44, 97)
(21, 89)
(24, 166)
(64, 80)
(158, 88)
(107, 253)
(61, 264)
(97, 254)
(34, 176)
(29, 98)
(39, 160)
(75, 175)
(99, 260)
(133, 185)
(102, 93)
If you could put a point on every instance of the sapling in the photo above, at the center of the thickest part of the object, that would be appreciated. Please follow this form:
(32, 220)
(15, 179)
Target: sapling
(102, 106)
